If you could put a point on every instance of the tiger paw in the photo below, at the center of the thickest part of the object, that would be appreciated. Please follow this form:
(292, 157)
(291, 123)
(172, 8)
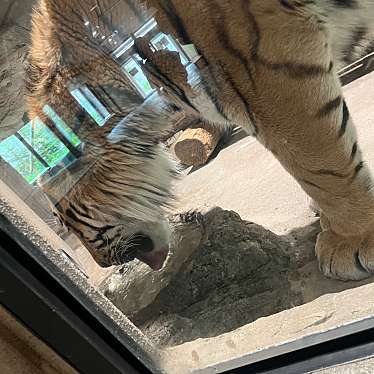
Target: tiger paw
(345, 258)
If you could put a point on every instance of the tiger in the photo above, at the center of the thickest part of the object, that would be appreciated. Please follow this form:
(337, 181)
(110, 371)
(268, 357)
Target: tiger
(268, 66)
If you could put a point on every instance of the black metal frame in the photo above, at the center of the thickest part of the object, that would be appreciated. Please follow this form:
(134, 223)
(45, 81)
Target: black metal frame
(53, 314)
(45, 307)
(358, 346)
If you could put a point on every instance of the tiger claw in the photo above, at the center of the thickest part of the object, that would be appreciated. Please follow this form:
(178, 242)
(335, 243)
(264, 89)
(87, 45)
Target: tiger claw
(345, 259)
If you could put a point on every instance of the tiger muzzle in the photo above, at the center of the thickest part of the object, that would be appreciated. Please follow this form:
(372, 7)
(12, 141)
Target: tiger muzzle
(142, 248)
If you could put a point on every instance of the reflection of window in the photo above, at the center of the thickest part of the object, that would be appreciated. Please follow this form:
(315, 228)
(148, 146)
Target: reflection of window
(146, 28)
(134, 70)
(35, 149)
(136, 75)
(44, 142)
(132, 67)
(162, 41)
(14, 151)
(65, 130)
(92, 105)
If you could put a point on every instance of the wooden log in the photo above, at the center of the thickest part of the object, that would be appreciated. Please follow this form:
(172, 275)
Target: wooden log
(196, 144)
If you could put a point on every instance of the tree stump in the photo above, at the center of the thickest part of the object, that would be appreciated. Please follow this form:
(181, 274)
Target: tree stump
(196, 144)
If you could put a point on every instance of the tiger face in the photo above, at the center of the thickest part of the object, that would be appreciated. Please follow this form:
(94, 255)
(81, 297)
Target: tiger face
(118, 242)
(119, 215)
(116, 194)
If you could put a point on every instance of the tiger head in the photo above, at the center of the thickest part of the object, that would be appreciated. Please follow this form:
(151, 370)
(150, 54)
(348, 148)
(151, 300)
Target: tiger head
(116, 194)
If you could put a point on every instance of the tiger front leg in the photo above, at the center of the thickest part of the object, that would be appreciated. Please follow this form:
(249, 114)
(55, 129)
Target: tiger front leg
(318, 146)
(345, 247)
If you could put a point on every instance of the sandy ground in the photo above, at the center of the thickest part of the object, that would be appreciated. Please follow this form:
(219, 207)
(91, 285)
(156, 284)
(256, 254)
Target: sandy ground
(200, 299)
(246, 178)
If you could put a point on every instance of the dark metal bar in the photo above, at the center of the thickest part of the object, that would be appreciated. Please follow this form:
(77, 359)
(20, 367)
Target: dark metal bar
(358, 346)
(51, 125)
(31, 150)
(356, 70)
(48, 309)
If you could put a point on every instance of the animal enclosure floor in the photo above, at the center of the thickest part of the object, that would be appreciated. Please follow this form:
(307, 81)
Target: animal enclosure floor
(200, 299)
(247, 179)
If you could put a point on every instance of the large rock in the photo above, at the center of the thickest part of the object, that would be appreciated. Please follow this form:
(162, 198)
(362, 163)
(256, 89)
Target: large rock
(222, 273)
(135, 286)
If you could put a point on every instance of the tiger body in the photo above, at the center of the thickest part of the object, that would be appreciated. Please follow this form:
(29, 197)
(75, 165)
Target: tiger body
(271, 68)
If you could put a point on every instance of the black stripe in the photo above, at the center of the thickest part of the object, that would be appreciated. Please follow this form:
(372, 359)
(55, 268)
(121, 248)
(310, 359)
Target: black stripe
(242, 98)
(80, 210)
(359, 167)
(329, 172)
(107, 242)
(354, 150)
(97, 245)
(174, 18)
(329, 107)
(78, 232)
(215, 100)
(141, 188)
(332, 256)
(293, 70)
(227, 45)
(346, 3)
(223, 36)
(312, 184)
(345, 119)
(331, 66)
(358, 263)
(287, 5)
(72, 215)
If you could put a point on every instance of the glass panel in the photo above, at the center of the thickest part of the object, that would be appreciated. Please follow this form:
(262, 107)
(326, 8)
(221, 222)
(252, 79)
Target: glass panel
(147, 28)
(137, 77)
(126, 142)
(191, 51)
(42, 139)
(91, 105)
(13, 151)
(62, 126)
(162, 41)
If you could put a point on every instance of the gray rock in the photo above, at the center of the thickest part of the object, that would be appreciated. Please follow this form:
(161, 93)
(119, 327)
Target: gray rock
(213, 283)
(134, 286)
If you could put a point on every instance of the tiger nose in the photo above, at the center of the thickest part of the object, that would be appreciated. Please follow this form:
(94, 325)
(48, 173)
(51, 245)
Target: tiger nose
(142, 243)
